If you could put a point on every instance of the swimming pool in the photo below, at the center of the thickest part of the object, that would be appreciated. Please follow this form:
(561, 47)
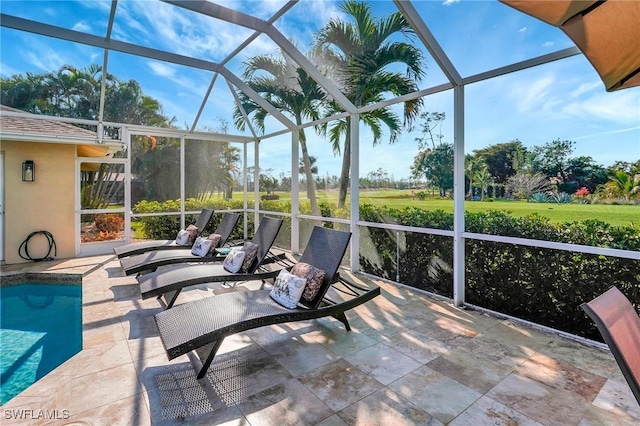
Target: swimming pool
(41, 327)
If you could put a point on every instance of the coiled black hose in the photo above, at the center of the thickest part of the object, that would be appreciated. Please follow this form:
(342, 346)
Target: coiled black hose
(24, 246)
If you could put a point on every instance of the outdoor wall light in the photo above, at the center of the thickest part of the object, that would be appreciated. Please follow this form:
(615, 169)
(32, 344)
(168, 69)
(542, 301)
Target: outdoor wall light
(28, 171)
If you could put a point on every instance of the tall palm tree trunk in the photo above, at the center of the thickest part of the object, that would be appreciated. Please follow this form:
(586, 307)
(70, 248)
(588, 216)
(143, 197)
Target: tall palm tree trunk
(346, 164)
(311, 184)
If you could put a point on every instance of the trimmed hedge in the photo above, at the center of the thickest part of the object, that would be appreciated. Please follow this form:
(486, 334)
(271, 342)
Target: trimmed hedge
(167, 227)
(541, 285)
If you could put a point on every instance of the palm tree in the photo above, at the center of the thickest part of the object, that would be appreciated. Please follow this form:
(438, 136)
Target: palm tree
(473, 166)
(312, 162)
(483, 180)
(357, 56)
(289, 89)
(623, 184)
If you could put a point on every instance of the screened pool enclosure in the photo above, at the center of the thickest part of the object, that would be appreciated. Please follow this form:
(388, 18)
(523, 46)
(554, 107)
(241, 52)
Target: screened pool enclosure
(262, 114)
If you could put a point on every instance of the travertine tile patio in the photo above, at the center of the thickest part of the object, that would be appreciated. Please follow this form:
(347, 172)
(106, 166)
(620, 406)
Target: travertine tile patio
(409, 360)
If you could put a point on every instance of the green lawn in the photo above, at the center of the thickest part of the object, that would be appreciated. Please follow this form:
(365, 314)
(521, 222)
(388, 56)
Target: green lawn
(615, 215)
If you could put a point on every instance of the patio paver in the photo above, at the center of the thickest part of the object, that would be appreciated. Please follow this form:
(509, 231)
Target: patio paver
(409, 360)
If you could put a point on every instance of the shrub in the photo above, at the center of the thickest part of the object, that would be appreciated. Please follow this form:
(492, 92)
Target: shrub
(166, 227)
(541, 285)
(422, 195)
(268, 197)
(109, 223)
(539, 197)
(561, 197)
(582, 192)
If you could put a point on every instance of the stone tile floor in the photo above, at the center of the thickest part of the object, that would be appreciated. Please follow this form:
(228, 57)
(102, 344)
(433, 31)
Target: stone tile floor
(409, 360)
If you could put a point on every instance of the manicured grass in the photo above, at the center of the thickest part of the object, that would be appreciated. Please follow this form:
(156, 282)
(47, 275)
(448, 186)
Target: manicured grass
(557, 213)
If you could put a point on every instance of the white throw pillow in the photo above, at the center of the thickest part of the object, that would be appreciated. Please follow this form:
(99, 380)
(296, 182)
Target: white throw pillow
(288, 289)
(183, 237)
(201, 247)
(233, 261)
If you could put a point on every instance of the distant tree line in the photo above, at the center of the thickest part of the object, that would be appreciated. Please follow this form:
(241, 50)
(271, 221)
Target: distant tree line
(510, 169)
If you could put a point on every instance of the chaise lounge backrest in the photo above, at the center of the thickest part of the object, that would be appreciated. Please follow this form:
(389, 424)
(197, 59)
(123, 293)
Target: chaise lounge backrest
(226, 226)
(203, 219)
(325, 251)
(264, 237)
(619, 325)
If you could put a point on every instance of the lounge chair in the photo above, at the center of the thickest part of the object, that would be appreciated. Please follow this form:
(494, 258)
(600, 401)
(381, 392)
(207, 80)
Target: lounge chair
(167, 283)
(145, 246)
(150, 261)
(619, 325)
(202, 325)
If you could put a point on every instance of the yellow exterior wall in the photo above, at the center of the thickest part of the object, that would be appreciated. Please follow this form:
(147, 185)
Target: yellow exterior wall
(46, 204)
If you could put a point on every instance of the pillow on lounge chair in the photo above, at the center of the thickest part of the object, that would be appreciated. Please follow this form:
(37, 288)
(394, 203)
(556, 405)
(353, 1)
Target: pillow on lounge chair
(201, 247)
(287, 289)
(182, 239)
(215, 240)
(233, 261)
(251, 250)
(314, 277)
(193, 233)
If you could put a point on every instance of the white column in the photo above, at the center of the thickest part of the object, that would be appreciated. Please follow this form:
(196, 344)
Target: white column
(458, 195)
(256, 183)
(295, 191)
(126, 139)
(355, 192)
(245, 188)
(182, 182)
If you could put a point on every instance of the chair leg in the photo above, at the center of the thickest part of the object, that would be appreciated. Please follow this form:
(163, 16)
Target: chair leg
(169, 298)
(343, 319)
(204, 364)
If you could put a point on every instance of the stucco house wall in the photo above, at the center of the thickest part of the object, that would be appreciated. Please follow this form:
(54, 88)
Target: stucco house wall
(46, 204)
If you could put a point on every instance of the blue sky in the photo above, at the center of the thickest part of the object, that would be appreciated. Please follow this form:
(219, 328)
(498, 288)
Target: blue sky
(560, 100)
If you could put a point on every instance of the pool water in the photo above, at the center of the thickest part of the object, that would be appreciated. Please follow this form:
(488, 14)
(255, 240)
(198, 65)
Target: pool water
(41, 327)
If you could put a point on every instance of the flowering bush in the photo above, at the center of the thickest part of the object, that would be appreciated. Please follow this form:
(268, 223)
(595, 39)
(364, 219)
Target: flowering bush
(582, 192)
(109, 223)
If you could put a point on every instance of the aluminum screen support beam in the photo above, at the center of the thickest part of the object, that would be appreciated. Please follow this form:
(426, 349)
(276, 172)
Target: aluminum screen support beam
(424, 34)
(458, 196)
(105, 70)
(242, 111)
(245, 187)
(204, 101)
(256, 185)
(220, 12)
(255, 96)
(34, 27)
(331, 89)
(295, 191)
(256, 34)
(355, 192)
(247, 21)
(183, 175)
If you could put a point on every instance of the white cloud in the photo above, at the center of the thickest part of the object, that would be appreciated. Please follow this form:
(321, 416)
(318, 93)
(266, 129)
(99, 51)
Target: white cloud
(44, 57)
(586, 87)
(178, 30)
(532, 95)
(450, 2)
(548, 44)
(81, 26)
(161, 69)
(619, 107)
(522, 30)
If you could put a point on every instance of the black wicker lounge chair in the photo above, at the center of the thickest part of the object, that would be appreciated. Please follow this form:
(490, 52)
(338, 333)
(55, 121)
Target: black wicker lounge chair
(619, 325)
(202, 325)
(168, 283)
(145, 246)
(150, 261)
